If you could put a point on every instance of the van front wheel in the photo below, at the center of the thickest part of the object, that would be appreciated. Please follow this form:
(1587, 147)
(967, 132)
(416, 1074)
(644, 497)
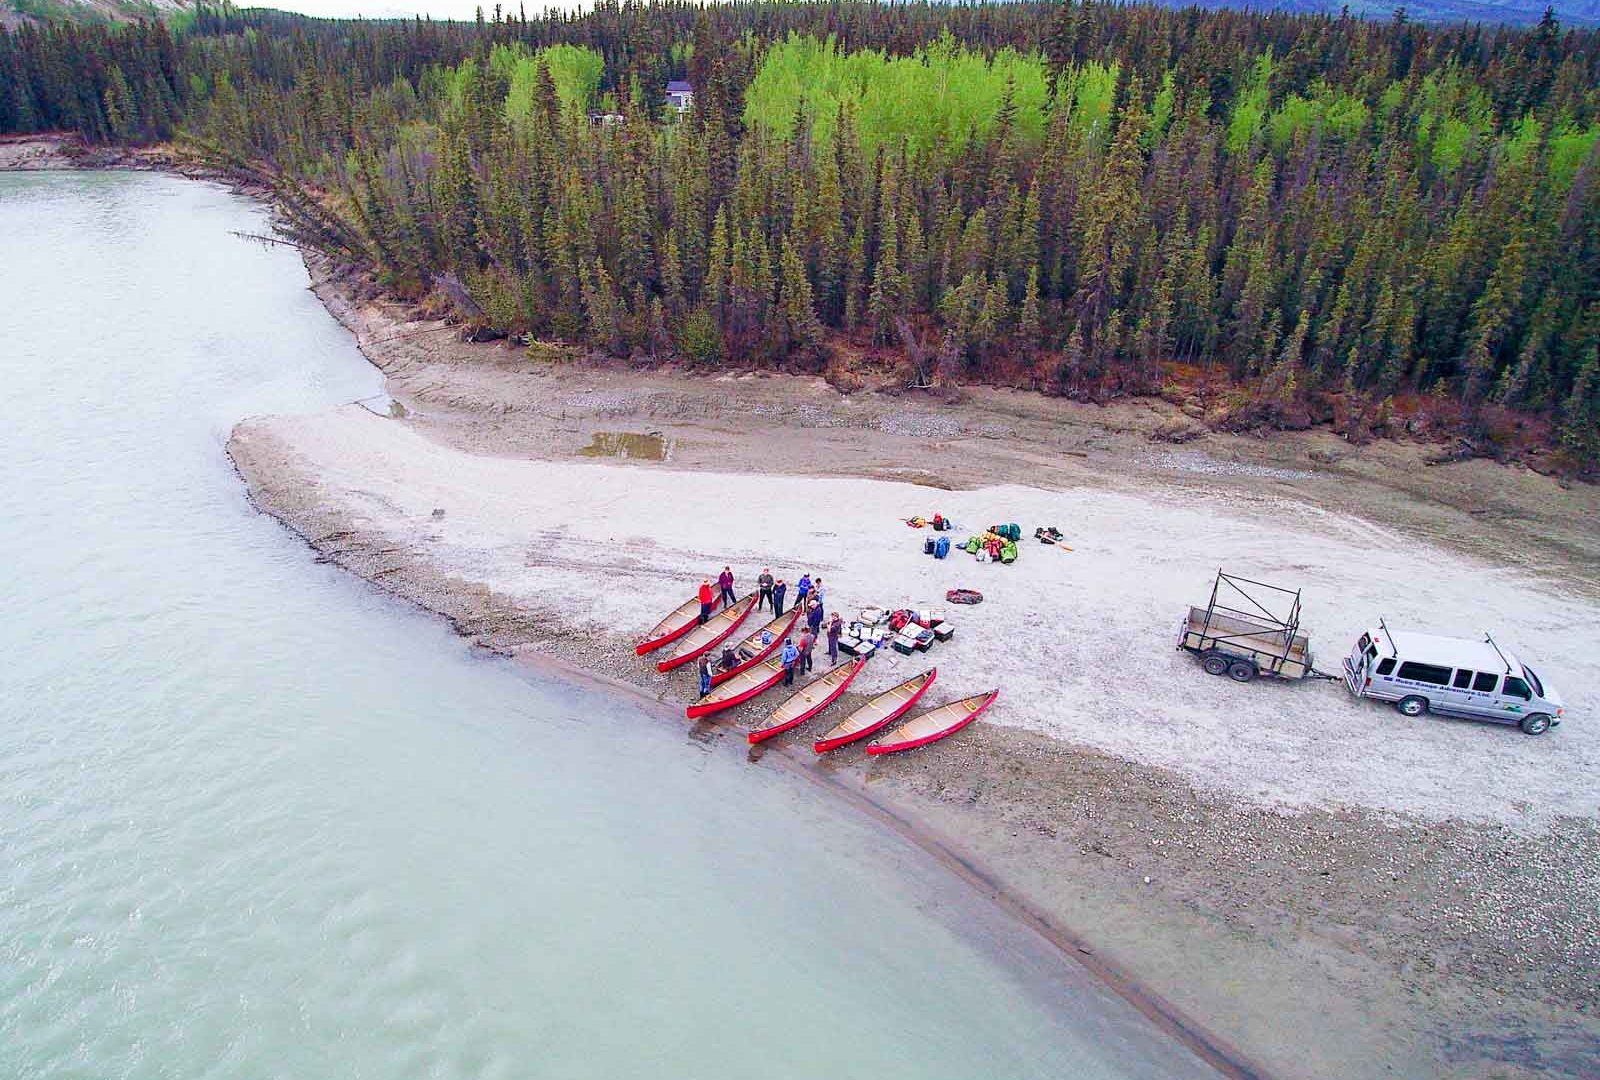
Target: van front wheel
(1536, 724)
(1412, 706)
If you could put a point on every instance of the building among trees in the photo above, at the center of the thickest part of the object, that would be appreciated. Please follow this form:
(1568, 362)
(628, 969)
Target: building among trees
(1377, 225)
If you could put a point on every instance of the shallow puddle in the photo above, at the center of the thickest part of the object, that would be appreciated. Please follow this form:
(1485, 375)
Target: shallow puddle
(641, 446)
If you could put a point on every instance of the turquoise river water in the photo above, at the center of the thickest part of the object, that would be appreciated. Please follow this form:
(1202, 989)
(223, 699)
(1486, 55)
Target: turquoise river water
(259, 820)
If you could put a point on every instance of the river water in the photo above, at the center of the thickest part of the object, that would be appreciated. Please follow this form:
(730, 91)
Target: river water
(259, 820)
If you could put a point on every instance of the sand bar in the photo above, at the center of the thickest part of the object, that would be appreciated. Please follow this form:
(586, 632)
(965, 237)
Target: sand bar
(1270, 860)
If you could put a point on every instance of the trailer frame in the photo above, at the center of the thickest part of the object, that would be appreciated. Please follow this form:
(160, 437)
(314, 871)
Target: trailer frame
(1260, 636)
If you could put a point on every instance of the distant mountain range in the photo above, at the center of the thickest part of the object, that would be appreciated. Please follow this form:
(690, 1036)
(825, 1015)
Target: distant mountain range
(1513, 12)
(19, 11)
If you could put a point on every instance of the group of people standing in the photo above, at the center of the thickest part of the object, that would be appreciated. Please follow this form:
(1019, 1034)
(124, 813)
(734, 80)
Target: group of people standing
(796, 654)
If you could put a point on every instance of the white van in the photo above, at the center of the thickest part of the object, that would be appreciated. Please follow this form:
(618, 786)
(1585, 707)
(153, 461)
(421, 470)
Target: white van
(1424, 673)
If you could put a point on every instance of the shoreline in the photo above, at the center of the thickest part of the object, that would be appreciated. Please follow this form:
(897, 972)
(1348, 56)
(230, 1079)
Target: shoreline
(1259, 955)
(1271, 978)
(964, 866)
(1258, 960)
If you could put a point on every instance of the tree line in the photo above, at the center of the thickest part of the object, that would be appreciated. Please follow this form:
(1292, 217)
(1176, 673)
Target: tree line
(1083, 197)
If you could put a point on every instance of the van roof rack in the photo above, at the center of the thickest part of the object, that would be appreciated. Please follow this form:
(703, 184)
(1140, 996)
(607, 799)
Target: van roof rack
(1385, 628)
(1503, 660)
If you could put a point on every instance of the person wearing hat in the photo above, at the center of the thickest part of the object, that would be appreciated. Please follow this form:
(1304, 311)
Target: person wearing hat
(707, 599)
(790, 656)
(705, 674)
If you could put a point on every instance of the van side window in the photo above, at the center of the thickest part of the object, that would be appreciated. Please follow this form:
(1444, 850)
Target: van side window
(1386, 666)
(1463, 680)
(1515, 687)
(1428, 673)
(1485, 682)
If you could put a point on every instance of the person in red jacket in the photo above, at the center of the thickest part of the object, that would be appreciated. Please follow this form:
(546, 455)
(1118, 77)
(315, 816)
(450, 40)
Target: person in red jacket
(707, 599)
(725, 583)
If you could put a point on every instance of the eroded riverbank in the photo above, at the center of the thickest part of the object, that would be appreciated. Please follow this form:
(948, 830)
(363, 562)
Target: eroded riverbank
(1344, 919)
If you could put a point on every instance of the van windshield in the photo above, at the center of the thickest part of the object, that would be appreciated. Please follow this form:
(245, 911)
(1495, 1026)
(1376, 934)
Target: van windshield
(1533, 680)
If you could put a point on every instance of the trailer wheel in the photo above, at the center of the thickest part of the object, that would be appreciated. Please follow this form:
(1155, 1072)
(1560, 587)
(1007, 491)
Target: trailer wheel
(1535, 724)
(1412, 706)
(1214, 663)
(1241, 671)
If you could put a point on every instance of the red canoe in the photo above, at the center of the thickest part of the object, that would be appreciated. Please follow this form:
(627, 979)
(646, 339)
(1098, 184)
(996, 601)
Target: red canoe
(710, 634)
(673, 627)
(808, 702)
(739, 689)
(751, 651)
(934, 724)
(878, 713)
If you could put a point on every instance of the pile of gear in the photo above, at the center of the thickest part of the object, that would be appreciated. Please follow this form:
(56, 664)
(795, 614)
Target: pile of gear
(906, 630)
(996, 544)
(1049, 534)
(999, 544)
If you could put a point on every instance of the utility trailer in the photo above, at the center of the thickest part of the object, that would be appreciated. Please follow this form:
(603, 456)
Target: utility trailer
(1247, 629)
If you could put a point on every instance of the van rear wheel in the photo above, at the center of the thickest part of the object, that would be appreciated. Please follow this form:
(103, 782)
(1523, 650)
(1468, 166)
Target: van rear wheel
(1412, 706)
(1536, 724)
(1241, 671)
(1214, 663)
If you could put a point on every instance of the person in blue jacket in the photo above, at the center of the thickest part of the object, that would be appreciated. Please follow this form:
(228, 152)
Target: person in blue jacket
(789, 655)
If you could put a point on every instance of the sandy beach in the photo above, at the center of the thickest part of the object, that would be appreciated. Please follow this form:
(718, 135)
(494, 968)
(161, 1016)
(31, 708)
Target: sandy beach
(1315, 884)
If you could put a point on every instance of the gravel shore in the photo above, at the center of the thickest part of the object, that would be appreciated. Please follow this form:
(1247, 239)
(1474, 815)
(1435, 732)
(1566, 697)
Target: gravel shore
(1314, 935)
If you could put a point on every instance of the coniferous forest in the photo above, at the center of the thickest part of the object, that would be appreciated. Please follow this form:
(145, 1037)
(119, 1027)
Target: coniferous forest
(1342, 220)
